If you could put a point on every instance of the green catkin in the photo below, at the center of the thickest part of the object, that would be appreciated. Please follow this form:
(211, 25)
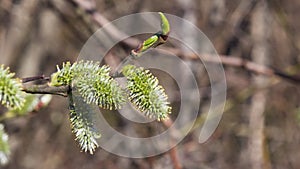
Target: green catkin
(11, 94)
(145, 92)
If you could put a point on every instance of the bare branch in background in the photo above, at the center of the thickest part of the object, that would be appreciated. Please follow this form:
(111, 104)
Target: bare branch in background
(89, 6)
(258, 158)
(236, 62)
(16, 41)
(90, 9)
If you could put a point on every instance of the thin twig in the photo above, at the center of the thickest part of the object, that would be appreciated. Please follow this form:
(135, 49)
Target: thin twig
(90, 9)
(173, 151)
(235, 62)
(34, 78)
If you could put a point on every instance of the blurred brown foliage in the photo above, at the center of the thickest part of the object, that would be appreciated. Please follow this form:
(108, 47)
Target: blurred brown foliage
(259, 128)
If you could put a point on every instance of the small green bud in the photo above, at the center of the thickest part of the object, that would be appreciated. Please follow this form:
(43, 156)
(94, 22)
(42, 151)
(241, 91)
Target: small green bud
(165, 26)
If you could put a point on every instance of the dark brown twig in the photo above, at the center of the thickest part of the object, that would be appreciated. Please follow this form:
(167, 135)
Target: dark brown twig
(34, 78)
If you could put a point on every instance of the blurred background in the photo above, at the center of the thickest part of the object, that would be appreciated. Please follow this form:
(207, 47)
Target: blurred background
(261, 121)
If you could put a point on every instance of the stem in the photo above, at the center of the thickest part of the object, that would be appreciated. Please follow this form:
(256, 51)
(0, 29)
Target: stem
(118, 70)
(173, 152)
(46, 89)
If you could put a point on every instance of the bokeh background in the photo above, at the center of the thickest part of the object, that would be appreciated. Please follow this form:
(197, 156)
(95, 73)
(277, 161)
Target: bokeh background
(261, 121)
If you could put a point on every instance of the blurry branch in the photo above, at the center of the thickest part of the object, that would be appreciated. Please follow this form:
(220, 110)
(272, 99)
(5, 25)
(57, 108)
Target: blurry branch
(236, 27)
(89, 7)
(277, 8)
(16, 41)
(243, 11)
(173, 151)
(51, 5)
(258, 157)
(236, 62)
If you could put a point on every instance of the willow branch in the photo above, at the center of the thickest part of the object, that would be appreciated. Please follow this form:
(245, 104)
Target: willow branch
(46, 89)
(90, 9)
(235, 62)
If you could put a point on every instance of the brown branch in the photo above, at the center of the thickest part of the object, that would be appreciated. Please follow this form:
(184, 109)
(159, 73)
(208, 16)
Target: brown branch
(260, 53)
(173, 151)
(235, 62)
(89, 6)
(46, 89)
(90, 9)
(66, 21)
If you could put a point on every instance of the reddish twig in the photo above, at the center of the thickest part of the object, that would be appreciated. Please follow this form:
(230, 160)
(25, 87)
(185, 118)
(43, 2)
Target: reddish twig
(173, 151)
